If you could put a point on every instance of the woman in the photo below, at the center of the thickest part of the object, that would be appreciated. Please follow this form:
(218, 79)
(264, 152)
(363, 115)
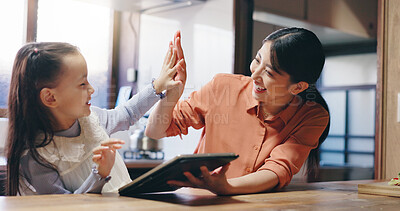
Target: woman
(274, 119)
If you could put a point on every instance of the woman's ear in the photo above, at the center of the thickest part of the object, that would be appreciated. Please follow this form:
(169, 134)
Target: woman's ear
(47, 97)
(297, 88)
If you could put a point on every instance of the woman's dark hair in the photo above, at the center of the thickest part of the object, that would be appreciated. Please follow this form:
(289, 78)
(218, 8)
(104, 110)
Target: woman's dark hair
(36, 66)
(299, 53)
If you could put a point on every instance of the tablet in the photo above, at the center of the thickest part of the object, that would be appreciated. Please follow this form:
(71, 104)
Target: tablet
(156, 179)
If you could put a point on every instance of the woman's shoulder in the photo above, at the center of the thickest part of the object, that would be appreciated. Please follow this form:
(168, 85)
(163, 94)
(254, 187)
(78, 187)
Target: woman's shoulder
(315, 108)
(313, 113)
(227, 79)
(231, 77)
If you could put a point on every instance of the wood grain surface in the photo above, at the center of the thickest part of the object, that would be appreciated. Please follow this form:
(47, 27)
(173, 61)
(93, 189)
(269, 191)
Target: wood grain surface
(304, 196)
(381, 188)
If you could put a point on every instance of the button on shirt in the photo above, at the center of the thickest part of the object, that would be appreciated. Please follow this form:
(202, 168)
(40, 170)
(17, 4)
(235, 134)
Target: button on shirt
(232, 122)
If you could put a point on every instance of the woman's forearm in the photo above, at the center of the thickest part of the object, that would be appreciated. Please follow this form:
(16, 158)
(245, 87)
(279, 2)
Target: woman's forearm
(259, 181)
(160, 118)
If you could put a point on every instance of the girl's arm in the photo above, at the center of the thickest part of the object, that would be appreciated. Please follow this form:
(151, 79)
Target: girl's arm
(127, 114)
(47, 181)
(217, 183)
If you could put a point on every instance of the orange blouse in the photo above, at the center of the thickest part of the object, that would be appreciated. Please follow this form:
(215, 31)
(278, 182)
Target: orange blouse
(231, 122)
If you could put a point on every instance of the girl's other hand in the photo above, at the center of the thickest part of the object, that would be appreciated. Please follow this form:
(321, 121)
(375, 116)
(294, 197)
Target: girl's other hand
(104, 155)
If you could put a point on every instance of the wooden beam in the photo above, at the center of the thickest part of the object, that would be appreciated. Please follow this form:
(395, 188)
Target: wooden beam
(380, 93)
(31, 21)
(113, 91)
(243, 24)
(390, 89)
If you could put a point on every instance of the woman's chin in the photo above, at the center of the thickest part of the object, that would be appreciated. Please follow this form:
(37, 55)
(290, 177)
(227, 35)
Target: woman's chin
(258, 96)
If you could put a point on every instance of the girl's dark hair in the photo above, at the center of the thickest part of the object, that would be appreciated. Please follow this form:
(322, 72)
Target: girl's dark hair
(299, 53)
(36, 66)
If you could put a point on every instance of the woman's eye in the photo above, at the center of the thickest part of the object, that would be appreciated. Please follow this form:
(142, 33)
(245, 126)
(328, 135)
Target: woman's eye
(268, 73)
(83, 84)
(258, 61)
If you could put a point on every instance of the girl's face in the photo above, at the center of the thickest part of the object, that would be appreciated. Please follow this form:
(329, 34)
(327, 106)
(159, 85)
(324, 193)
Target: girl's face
(269, 85)
(73, 91)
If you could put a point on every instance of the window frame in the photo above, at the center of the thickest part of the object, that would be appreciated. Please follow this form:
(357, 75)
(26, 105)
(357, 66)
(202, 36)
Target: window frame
(30, 35)
(345, 170)
(346, 136)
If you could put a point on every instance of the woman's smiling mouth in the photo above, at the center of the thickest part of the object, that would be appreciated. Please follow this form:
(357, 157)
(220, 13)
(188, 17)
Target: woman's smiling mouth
(259, 89)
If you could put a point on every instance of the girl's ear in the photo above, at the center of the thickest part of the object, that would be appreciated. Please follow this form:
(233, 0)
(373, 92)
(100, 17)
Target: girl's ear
(47, 97)
(296, 88)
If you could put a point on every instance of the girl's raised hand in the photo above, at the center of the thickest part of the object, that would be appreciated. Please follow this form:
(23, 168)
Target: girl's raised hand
(104, 155)
(173, 72)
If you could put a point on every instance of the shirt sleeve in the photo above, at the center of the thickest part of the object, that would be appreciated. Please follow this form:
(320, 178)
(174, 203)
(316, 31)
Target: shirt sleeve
(192, 112)
(126, 114)
(47, 181)
(287, 158)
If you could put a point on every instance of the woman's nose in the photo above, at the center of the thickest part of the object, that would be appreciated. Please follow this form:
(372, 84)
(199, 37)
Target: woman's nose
(255, 73)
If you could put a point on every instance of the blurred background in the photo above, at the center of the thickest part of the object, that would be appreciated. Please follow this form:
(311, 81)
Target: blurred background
(124, 43)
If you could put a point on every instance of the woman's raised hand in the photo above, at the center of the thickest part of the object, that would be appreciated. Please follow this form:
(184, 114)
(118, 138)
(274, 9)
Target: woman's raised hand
(104, 155)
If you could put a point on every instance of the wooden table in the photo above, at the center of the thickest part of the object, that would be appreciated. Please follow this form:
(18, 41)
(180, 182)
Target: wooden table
(311, 196)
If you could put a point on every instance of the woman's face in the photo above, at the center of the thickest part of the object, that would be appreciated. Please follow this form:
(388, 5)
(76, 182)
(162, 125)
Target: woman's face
(270, 86)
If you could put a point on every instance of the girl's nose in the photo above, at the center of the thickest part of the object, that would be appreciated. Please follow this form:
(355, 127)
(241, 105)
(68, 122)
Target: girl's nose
(91, 89)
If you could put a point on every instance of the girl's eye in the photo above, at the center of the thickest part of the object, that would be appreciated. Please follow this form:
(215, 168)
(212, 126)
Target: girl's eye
(268, 73)
(258, 61)
(83, 84)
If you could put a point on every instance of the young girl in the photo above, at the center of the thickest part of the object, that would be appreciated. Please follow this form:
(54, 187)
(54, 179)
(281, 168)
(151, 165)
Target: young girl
(274, 119)
(57, 142)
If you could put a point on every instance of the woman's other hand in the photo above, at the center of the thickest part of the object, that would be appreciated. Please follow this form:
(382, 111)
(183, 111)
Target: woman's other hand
(104, 155)
(214, 181)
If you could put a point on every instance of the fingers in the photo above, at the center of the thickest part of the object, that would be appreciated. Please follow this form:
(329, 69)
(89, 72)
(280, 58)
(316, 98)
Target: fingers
(192, 179)
(177, 34)
(101, 149)
(172, 59)
(205, 173)
(112, 141)
(182, 63)
(167, 57)
(96, 158)
(180, 183)
(181, 76)
(178, 47)
(224, 168)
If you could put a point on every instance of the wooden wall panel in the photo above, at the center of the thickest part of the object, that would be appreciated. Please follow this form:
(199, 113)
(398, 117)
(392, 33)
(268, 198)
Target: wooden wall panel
(357, 17)
(287, 8)
(390, 59)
